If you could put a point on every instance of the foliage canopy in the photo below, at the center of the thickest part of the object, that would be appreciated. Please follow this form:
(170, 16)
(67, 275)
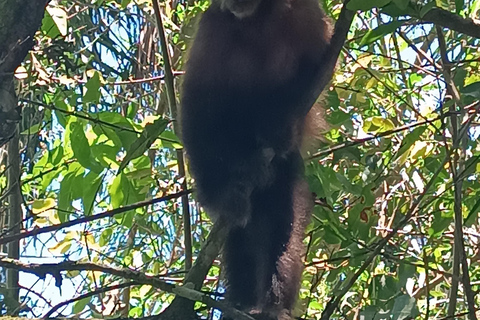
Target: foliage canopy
(395, 233)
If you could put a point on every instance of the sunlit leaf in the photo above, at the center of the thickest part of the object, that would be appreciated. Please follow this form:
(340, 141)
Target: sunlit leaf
(41, 205)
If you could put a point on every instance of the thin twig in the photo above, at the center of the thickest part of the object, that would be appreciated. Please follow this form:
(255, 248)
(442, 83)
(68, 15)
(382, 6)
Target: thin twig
(172, 103)
(335, 301)
(456, 165)
(105, 214)
(88, 295)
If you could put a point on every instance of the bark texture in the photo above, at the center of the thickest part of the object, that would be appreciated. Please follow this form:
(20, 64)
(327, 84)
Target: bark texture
(19, 20)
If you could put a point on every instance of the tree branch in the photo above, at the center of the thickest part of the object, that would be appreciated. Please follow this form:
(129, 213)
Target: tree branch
(105, 214)
(54, 269)
(181, 308)
(453, 21)
(48, 315)
(172, 104)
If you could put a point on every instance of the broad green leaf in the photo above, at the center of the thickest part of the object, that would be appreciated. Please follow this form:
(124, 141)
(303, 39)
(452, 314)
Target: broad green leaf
(473, 213)
(439, 225)
(59, 17)
(92, 187)
(116, 191)
(393, 10)
(56, 155)
(404, 272)
(379, 32)
(369, 313)
(49, 27)
(79, 143)
(151, 133)
(170, 140)
(136, 312)
(92, 89)
(32, 130)
(125, 219)
(70, 189)
(402, 4)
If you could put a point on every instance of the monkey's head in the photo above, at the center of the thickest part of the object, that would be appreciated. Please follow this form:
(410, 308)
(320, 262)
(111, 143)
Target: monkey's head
(240, 8)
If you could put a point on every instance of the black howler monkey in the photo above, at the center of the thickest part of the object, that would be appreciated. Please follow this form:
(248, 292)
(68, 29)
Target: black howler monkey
(250, 74)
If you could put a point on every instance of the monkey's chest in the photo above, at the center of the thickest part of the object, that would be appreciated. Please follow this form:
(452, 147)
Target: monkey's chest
(250, 66)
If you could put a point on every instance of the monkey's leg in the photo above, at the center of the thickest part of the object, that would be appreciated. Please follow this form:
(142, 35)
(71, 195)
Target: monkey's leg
(286, 281)
(225, 183)
(251, 253)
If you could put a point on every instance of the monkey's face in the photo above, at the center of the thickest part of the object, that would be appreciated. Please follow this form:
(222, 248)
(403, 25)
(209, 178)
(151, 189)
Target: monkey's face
(241, 8)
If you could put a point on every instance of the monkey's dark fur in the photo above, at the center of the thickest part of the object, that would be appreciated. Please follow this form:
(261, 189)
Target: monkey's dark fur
(250, 73)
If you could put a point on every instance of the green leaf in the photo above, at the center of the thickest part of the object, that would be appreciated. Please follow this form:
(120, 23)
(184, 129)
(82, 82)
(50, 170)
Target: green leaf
(79, 143)
(143, 143)
(170, 140)
(49, 27)
(92, 89)
(41, 205)
(425, 9)
(369, 313)
(80, 305)
(439, 225)
(125, 219)
(105, 236)
(92, 184)
(59, 17)
(122, 133)
(70, 188)
(377, 124)
(410, 139)
(402, 4)
(116, 191)
(459, 5)
(405, 271)
(405, 307)
(472, 214)
(472, 90)
(393, 10)
(365, 5)
(379, 32)
(32, 130)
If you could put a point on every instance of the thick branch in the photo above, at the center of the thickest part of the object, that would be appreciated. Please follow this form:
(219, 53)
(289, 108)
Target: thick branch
(54, 269)
(342, 26)
(182, 308)
(453, 21)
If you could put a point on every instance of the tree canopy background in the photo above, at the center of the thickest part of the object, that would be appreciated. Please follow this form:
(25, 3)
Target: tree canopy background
(98, 218)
